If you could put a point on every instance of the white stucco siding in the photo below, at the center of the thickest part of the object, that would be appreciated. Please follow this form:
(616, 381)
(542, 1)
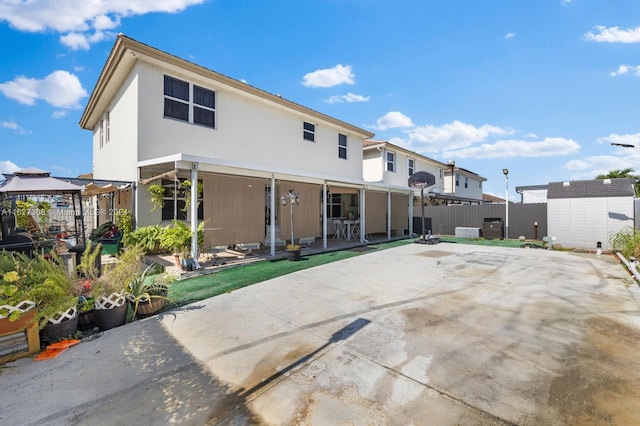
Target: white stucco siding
(583, 222)
(248, 130)
(116, 158)
(372, 166)
(534, 196)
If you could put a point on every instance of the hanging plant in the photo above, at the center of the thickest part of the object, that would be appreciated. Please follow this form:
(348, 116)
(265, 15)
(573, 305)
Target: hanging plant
(185, 186)
(157, 195)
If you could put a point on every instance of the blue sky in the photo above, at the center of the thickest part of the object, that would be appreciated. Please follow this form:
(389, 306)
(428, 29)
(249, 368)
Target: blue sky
(541, 87)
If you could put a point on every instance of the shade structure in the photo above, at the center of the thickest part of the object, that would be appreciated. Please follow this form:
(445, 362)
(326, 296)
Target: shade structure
(34, 181)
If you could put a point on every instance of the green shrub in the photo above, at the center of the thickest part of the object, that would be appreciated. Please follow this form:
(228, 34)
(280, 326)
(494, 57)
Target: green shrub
(626, 241)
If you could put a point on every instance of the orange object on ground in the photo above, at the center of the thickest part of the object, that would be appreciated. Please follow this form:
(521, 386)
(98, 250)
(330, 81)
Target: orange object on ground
(55, 349)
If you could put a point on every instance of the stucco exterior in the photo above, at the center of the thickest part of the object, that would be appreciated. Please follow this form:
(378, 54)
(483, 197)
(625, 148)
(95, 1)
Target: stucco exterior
(255, 135)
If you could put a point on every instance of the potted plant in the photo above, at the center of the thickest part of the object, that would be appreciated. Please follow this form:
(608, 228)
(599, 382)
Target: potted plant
(147, 293)
(185, 186)
(157, 195)
(177, 239)
(18, 313)
(147, 237)
(110, 290)
(56, 293)
(293, 251)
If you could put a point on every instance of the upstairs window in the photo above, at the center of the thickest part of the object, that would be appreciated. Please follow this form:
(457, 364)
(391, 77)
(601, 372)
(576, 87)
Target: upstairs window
(466, 182)
(107, 130)
(186, 102)
(410, 166)
(457, 179)
(309, 132)
(342, 146)
(391, 162)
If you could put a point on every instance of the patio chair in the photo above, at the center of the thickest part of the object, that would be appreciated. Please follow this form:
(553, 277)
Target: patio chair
(339, 229)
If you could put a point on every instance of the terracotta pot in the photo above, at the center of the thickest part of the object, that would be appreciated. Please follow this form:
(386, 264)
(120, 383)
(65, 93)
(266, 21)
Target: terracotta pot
(155, 305)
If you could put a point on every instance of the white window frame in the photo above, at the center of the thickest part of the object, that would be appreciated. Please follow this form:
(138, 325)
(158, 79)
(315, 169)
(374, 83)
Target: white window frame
(308, 134)
(411, 166)
(342, 148)
(101, 133)
(390, 164)
(108, 127)
(191, 105)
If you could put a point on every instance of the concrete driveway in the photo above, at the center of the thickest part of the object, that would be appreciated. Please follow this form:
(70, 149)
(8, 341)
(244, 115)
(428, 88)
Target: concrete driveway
(441, 335)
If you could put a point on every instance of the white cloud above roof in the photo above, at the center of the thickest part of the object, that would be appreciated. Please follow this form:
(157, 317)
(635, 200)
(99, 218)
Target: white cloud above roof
(624, 69)
(82, 22)
(393, 120)
(348, 98)
(329, 77)
(518, 148)
(59, 89)
(628, 139)
(603, 34)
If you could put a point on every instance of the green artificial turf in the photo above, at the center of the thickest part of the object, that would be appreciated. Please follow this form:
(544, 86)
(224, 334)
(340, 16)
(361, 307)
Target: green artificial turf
(226, 280)
(198, 288)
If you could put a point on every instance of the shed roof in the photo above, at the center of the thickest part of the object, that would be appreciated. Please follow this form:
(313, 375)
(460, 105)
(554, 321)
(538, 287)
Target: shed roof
(619, 187)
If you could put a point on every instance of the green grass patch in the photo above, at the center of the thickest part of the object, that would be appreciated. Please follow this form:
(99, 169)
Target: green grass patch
(226, 280)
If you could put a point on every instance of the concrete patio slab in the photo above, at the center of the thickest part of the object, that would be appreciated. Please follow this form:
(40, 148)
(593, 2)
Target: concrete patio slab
(420, 334)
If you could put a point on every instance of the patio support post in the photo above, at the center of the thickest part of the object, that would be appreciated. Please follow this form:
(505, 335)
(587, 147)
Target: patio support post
(324, 215)
(388, 215)
(411, 213)
(363, 219)
(272, 217)
(194, 211)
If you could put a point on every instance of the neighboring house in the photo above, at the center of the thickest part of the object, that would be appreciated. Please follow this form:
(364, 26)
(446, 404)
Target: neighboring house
(392, 164)
(532, 194)
(462, 186)
(582, 214)
(157, 118)
(491, 199)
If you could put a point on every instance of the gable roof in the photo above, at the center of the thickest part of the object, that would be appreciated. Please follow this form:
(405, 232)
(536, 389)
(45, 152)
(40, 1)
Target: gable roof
(619, 187)
(126, 51)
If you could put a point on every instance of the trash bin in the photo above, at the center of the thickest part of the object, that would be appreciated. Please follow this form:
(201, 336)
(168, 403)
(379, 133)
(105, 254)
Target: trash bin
(493, 230)
(79, 250)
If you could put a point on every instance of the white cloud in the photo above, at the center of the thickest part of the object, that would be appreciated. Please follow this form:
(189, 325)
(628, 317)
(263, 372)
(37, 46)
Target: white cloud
(603, 34)
(348, 98)
(58, 114)
(452, 136)
(8, 167)
(624, 69)
(633, 139)
(60, 89)
(590, 167)
(509, 35)
(518, 148)
(329, 77)
(393, 120)
(15, 127)
(75, 18)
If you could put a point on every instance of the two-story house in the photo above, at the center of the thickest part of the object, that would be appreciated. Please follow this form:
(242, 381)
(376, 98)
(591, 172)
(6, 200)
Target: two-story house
(159, 119)
(461, 186)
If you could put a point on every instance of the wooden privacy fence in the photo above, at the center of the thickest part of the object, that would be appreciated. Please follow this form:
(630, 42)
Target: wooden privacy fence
(443, 220)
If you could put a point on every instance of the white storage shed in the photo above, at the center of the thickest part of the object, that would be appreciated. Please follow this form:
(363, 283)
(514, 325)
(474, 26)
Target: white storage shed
(582, 214)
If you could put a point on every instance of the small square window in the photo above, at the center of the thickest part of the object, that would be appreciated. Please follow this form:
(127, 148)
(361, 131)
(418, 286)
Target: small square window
(410, 166)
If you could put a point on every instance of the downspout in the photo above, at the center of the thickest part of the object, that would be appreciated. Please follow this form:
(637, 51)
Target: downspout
(363, 219)
(631, 266)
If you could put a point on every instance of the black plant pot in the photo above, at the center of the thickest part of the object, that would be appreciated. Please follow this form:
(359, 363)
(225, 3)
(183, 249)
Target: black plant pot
(52, 333)
(293, 254)
(86, 320)
(107, 319)
(155, 305)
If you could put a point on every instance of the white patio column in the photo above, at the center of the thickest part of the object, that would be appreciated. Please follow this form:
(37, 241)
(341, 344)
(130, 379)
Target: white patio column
(194, 211)
(324, 215)
(389, 215)
(411, 213)
(272, 217)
